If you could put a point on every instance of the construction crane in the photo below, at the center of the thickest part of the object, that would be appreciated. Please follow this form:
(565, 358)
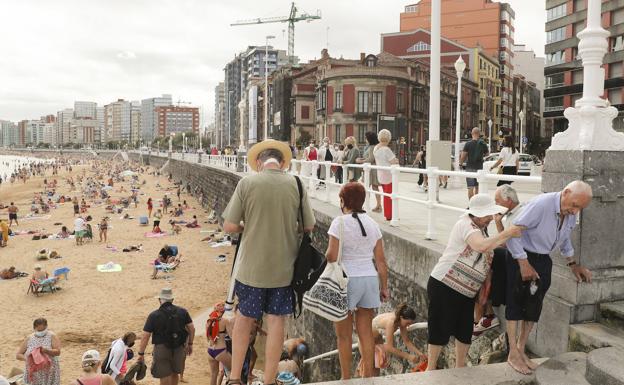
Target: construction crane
(291, 20)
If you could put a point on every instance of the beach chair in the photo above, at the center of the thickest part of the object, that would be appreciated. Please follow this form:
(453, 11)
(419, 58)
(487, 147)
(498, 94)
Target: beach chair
(88, 233)
(36, 287)
(62, 274)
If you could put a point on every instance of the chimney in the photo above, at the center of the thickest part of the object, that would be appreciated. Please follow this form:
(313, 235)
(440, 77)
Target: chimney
(362, 56)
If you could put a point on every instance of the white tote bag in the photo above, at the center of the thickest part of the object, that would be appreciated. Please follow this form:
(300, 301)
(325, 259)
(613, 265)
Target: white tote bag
(328, 296)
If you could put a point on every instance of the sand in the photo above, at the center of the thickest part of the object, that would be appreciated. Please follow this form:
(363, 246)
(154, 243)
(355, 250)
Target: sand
(94, 308)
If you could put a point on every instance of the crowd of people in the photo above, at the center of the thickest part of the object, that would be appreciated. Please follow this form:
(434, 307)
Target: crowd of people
(476, 272)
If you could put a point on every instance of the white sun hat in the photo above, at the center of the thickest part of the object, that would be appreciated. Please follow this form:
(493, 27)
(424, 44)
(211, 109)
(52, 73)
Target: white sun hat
(482, 205)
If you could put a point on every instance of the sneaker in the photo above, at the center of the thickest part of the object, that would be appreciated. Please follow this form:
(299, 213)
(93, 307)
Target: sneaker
(485, 323)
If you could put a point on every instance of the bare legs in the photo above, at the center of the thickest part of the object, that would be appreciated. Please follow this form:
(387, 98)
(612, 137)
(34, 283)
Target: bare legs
(344, 332)
(433, 353)
(517, 358)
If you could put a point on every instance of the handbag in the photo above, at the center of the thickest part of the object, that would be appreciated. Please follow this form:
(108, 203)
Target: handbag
(328, 296)
(309, 264)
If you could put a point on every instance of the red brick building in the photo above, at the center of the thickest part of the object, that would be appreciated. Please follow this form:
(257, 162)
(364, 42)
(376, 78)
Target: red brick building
(177, 119)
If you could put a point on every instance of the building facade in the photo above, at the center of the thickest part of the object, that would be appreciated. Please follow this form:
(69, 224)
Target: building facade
(220, 115)
(63, 126)
(9, 133)
(149, 118)
(255, 65)
(174, 119)
(475, 23)
(117, 121)
(481, 68)
(85, 110)
(135, 123)
(234, 85)
(564, 72)
(527, 98)
(529, 65)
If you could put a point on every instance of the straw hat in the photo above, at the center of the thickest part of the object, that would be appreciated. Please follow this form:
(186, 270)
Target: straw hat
(481, 205)
(166, 294)
(257, 148)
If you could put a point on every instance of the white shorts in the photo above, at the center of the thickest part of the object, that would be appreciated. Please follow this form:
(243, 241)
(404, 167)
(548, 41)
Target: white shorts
(363, 292)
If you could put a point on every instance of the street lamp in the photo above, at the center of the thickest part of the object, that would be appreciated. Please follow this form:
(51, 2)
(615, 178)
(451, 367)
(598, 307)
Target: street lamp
(266, 86)
(460, 66)
(521, 116)
(171, 135)
(183, 142)
(490, 136)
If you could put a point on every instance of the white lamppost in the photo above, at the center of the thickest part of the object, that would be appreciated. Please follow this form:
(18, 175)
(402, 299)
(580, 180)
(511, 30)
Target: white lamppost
(266, 87)
(200, 140)
(521, 116)
(183, 142)
(460, 66)
(490, 136)
(171, 135)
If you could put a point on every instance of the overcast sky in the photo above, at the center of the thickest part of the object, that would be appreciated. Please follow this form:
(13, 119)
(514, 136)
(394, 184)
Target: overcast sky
(53, 52)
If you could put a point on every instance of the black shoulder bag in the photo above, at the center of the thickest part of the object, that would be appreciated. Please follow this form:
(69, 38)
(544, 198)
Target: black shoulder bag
(309, 264)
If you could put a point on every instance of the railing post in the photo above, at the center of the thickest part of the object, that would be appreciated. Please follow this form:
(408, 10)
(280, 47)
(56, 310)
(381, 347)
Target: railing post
(431, 199)
(327, 166)
(395, 200)
(345, 174)
(367, 171)
(483, 182)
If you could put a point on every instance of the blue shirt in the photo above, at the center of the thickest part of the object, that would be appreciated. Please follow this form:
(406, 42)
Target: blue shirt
(540, 216)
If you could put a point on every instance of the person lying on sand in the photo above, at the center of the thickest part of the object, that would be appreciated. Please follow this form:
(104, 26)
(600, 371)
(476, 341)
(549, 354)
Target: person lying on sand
(11, 273)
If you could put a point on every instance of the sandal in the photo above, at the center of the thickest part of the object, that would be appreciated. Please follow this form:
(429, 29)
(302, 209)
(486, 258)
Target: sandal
(233, 382)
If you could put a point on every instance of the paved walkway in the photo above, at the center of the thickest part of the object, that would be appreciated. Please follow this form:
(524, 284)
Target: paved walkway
(413, 217)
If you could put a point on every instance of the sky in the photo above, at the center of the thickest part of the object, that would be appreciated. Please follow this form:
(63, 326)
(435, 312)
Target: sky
(53, 52)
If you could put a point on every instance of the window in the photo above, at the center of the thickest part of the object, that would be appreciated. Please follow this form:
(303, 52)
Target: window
(371, 62)
(615, 96)
(502, 55)
(555, 35)
(617, 43)
(574, 98)
(400, 104)
(578, 27)
(553, 104)
(305, 112)
(577, 77)
(339, 138)
(557, 57)
(411, 8)
(556, 12)
(615, 70)
(617, 17)
(376, 102)
(555, 80)
(361, 135)
(419, 47)
(579, 5)
(505, 16)
(362, 106)
(338, 100)
(503, 42)
(504, 28)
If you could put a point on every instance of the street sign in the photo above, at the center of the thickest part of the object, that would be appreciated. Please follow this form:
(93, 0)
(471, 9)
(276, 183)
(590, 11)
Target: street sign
(525, 140)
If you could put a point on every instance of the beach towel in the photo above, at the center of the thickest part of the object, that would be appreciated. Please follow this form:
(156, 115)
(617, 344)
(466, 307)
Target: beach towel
(155, 235)
(112, 248)
(221, 244)
(110, 267)
(33, 217)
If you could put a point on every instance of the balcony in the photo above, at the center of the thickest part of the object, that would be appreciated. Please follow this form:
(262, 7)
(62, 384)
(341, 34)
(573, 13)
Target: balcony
(553, 108)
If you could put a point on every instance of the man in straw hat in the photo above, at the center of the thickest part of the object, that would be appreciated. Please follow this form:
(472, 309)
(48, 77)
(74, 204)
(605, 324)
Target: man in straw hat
(269, 204)
(172, 332)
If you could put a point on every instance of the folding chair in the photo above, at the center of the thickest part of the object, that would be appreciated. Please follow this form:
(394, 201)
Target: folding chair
(37, 287)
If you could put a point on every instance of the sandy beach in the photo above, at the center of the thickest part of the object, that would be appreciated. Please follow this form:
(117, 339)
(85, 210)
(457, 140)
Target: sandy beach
(93, 308)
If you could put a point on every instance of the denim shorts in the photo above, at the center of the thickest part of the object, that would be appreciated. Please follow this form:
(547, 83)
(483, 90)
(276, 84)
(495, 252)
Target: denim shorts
(363, 292)
(471, 182)
(253, 302)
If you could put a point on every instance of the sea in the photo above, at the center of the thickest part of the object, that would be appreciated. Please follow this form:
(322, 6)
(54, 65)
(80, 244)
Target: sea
(11, 163)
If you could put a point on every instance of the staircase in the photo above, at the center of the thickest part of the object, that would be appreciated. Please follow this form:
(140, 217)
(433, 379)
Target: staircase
(597, 352)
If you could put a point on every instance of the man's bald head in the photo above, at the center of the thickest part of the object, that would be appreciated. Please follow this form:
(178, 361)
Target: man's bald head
(476, 133)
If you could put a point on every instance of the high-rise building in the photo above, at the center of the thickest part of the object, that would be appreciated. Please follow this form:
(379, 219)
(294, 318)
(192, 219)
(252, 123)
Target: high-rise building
(149, 118)
(526, 98)
(564, 71)
(49, 133)
(135, 122)
(173, 119)
(531, 67)
(63, 126)
(83, 130)
(9, 133)
(99, 113)
(234, 85)
(220, 115)
(482, 23)
(85, 110)
(117, 119)
(255, 62)
(36, 130)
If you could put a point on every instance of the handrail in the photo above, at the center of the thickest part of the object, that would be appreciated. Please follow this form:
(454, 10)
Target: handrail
(414, 326)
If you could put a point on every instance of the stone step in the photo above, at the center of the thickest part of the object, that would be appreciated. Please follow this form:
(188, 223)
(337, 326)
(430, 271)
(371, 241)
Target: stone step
(495, 374)
(612, 314)
(589, 336)
(604, 367)
(565, 369)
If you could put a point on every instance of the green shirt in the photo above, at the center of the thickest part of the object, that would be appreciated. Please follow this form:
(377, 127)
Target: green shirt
(268, 204)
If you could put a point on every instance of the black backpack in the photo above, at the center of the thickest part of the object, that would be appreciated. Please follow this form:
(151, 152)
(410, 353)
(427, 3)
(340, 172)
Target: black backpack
(175, 329)
(106, 363)
(309, 264)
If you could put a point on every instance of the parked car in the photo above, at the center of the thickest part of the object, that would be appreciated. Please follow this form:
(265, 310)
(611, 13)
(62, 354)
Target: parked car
(527, 163)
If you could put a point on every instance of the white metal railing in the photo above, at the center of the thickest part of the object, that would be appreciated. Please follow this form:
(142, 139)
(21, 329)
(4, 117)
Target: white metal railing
(307, 171)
